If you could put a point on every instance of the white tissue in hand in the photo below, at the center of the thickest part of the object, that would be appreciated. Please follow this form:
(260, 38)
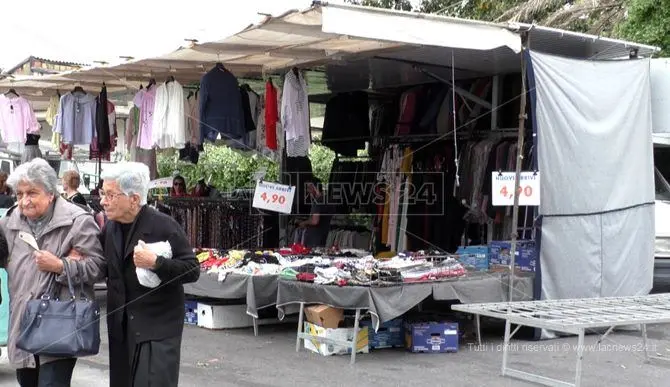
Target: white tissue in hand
(146, 277)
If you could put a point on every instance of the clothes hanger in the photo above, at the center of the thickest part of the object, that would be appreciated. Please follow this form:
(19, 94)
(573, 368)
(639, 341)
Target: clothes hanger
(221, 67)
(78, 89)
(152, 82)
(169, 79)
(12, 91)
(296, 72)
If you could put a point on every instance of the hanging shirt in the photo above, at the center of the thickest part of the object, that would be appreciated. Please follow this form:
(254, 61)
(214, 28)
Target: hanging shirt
(52, 110)
(220, 106)
(193, 120)
(145, 101)
(17, 119)
(271, 116)
(76, 121)
(111, 118)
(295, 115)
(169, 123)
(254, 105)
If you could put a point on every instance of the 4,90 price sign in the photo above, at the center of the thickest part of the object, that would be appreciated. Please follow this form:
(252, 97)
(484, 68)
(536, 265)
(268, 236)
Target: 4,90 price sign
(273, 197)
(503, 183)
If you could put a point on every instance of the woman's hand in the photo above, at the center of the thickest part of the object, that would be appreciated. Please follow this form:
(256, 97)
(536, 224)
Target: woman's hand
(48, 262)
(74, 254)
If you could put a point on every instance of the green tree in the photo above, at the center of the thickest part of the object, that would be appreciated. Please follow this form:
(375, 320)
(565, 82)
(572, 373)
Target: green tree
(648, 22)
(221, 166)
(228, 169)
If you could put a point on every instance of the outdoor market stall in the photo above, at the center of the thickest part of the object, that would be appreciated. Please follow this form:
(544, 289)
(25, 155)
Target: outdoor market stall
(453, 71)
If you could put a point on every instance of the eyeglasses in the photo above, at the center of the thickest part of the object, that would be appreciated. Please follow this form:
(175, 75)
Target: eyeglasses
(110, 197)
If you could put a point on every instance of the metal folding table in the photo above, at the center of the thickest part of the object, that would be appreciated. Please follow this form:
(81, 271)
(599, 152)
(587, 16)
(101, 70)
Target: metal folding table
(574, 316)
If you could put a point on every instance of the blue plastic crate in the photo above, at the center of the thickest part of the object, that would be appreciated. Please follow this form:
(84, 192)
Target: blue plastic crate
(526, 254)
(474, 257)
(191, 312)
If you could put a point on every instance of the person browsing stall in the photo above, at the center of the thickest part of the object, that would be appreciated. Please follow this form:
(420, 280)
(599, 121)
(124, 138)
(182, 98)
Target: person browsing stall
(317, 225)
(71, 182)
(145, 324)
(178, 187)
(66, 234)
(6, 196)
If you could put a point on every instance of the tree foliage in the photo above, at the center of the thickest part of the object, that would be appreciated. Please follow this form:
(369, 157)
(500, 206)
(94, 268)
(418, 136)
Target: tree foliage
(229, 169)
(648, 22)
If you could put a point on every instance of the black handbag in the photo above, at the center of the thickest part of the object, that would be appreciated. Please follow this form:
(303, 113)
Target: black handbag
(61, 328)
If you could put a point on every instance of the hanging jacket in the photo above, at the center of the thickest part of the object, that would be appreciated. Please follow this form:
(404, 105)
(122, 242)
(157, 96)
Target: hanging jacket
(102, 123)
(220, 105)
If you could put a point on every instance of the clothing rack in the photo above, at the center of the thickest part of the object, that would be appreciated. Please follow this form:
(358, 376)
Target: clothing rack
(218, 223)
(402, 139)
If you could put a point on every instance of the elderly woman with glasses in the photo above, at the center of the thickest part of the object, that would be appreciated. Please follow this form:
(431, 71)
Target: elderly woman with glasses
(145, 324)
(65, 234)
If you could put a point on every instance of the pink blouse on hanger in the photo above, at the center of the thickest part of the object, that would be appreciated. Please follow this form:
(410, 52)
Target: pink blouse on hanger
(17, 119)
(145, 101)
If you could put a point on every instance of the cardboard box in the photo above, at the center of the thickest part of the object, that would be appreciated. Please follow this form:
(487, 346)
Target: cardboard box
(335, 334)
(432, 337)
(191, 313)
(390, 334)
(324, 316)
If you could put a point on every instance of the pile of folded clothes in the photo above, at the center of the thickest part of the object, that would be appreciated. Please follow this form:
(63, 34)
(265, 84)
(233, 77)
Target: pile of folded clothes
(331, 267)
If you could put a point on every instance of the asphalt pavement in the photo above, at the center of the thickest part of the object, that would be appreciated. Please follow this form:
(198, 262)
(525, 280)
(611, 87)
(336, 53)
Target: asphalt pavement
(237, 358)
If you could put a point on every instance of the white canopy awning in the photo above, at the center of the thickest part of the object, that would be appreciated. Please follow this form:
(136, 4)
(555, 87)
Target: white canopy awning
(358, 47)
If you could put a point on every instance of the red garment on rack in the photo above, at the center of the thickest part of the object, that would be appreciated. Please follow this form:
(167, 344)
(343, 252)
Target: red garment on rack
(271, 116)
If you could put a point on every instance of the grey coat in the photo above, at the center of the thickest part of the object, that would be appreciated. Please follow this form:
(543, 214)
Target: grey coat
(70, 227)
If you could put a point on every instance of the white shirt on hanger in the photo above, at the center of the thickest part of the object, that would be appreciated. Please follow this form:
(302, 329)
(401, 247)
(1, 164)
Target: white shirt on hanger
(169, 120)
(295, 115)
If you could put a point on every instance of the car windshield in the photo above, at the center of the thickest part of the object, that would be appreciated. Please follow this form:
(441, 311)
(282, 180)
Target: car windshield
(662, 186)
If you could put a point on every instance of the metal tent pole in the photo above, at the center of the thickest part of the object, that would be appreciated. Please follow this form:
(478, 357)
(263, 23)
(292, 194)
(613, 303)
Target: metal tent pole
(519, 164)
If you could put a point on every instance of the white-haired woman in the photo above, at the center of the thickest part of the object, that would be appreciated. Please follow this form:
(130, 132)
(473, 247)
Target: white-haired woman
(145, 324)
(63, 231)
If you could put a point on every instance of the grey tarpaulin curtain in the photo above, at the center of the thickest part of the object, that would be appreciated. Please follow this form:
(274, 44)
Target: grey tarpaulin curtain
(594, 139)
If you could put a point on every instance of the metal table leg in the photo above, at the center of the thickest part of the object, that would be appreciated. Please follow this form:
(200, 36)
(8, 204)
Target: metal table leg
(580, 357)
(479, 330)
(644, 342)
(354, 342)
(255, 326)
(508, 327)
(300, 324)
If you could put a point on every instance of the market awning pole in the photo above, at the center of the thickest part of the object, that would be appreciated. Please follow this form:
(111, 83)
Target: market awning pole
(519, 165)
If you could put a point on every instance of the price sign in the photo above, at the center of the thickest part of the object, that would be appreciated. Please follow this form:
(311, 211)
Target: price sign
(503, 183)
(273, 197)
(165, 182)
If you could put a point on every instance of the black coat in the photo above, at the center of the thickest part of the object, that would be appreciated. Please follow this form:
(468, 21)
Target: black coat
(137, 312)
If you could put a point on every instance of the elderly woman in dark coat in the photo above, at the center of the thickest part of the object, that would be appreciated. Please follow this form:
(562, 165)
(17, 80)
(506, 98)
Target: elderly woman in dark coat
(63, 231)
